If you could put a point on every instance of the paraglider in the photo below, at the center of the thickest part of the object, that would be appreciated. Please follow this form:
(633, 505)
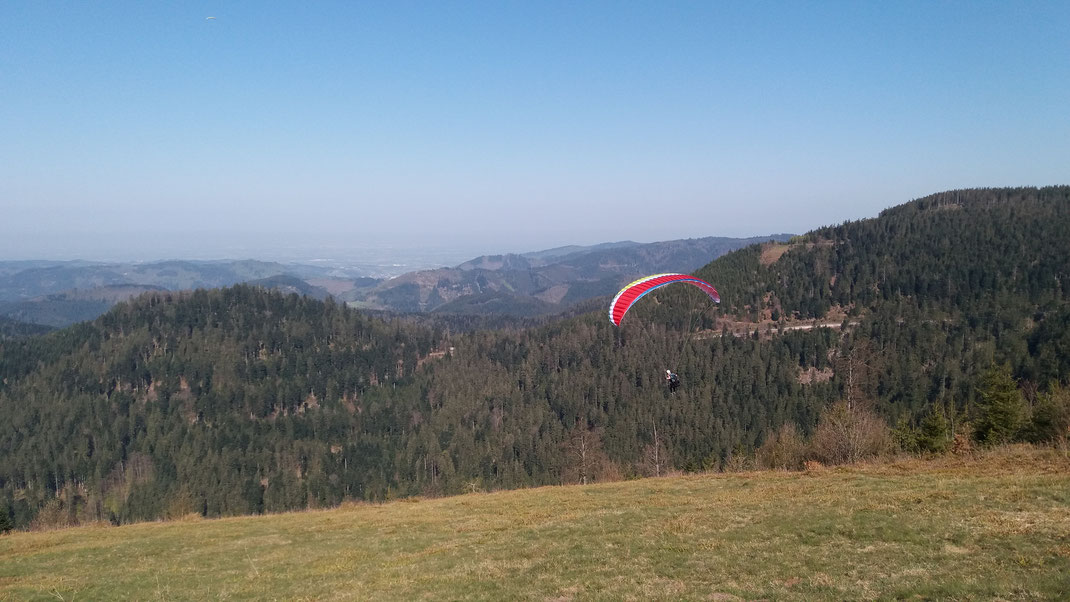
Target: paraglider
(628, 295)
(672, 379)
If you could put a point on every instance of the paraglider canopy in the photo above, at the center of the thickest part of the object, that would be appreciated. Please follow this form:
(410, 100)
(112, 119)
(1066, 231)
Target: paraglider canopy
(635, 291)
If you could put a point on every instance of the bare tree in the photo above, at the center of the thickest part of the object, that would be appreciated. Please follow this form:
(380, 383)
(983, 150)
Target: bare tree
(589, 460)
(655, 459)
(857, 365)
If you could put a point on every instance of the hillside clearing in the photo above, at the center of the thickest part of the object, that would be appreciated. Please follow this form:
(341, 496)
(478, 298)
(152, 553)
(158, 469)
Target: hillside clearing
(991, 527)
(773, 251)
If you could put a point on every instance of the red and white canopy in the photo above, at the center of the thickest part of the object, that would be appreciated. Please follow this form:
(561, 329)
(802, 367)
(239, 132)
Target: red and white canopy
(635, 291)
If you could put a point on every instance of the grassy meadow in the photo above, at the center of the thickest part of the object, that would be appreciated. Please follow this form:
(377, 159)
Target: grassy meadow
(992, 526)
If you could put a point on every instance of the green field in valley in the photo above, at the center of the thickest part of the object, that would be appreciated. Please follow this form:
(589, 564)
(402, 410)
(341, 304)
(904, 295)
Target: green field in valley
(991, 526)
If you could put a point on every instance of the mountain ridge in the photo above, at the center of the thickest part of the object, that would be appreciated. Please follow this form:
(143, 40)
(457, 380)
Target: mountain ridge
(53, 293)
(543, 282)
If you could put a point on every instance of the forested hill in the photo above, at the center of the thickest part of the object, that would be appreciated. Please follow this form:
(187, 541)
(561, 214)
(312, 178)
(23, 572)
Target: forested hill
(954, 250)
(195, 398)
(992, 260)
(243, 400)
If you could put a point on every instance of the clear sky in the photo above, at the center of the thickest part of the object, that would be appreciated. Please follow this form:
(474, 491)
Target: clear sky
(149, 128)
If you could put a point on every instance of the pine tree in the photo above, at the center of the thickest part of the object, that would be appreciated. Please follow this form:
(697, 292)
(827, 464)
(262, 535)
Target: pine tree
(1001, 407)
(934, 433)
(1051, 417)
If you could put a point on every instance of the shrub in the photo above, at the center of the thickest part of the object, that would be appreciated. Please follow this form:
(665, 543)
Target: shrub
(784, 449)
(847, 434)
(905, 436)
(1051, 416)
(5, 521)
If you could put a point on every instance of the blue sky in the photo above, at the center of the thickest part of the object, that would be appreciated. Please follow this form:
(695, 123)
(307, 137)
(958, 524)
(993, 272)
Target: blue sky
(145, 127)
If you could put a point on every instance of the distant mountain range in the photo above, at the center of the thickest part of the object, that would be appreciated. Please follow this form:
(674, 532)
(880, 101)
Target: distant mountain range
(62, 293)
(58, 294)
(21, 281)
(542, 282)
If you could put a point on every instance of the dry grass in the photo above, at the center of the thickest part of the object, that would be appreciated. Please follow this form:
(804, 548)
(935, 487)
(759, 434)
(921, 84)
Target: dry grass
(772, 251)
(995, 525)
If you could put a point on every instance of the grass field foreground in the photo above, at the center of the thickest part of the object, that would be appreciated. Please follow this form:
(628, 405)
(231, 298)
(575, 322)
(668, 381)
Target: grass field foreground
(992, 526)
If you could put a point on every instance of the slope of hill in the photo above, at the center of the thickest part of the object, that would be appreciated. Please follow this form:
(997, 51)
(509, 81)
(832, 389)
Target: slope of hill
(544, 281)
(38, 281)
(78, 305)
(8, 268)
(12, 329)
(954, 249)
(244, 400)
(497, 303)
(988, 267)
(549, 254)
(291, 285)
(987, 527)
(199, 369)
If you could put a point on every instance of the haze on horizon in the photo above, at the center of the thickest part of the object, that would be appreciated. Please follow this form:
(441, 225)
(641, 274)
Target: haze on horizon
(148, 131)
